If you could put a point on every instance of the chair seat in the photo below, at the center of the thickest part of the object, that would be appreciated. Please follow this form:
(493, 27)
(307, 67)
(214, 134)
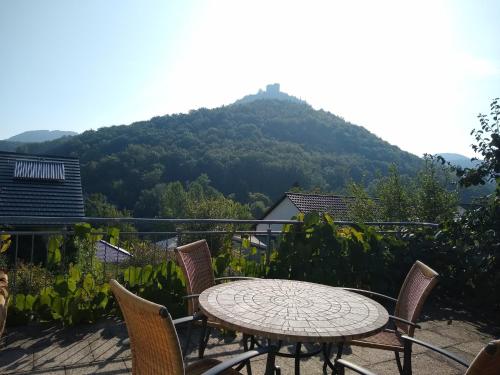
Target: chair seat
(199, 367)
(387, 339)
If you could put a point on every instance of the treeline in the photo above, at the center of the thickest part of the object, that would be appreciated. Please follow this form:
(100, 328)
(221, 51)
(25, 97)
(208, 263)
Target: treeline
(430, 196)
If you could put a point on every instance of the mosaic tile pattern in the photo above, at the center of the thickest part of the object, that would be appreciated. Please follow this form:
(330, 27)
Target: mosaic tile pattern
(293, 310)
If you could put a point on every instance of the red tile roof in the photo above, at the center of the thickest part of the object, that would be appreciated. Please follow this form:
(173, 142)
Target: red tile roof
(337, 206)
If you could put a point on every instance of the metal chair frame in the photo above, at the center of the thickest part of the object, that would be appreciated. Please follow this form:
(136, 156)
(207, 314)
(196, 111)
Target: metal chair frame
(487, 362)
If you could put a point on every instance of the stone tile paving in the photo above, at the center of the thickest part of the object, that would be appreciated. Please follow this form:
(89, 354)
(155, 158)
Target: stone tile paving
(103, 348)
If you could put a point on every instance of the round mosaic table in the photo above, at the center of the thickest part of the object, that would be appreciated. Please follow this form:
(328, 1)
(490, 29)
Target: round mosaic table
(293, 311)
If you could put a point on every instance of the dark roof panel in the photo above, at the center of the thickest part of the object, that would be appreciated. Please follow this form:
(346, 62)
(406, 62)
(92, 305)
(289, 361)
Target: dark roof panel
(40, 185)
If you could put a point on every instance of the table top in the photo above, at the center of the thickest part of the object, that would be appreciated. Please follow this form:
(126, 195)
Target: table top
(294, 311)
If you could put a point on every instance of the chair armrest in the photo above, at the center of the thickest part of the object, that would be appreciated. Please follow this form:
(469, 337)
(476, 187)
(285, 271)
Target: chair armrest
(191, 296)
(187, 319)
(353, 367)
(235, 278)
(415, 325)
(362, 291)
(436, 349)
(238, 359)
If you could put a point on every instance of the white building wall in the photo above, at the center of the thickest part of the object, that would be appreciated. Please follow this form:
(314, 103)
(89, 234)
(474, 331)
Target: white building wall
(285, 210)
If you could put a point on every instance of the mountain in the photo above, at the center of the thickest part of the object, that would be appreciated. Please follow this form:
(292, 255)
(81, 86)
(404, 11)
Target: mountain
(263, 146)
(272, 92)
(472, 193)
(39, 136)
(459, 160)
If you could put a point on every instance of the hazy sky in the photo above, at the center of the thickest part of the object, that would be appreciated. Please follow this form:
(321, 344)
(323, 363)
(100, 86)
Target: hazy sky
(414, 73)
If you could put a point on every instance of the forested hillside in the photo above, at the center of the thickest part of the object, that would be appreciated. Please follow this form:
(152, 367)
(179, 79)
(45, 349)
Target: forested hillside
(32, 136)
(12, 143)
(264, 146)
(9, 146)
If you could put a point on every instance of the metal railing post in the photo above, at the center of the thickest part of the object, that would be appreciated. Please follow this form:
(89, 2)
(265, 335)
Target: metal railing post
(268, 249)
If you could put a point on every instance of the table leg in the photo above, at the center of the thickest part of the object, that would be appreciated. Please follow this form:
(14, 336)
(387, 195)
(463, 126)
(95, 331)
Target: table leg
(339, 369)
(246, 348)
(271, 363)
(298, 347)
(327, 350)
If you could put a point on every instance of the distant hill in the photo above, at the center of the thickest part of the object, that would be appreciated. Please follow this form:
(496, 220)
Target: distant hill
(272, 92)
(264, 146)
(39, 136)
(473, 192)
(459, 160)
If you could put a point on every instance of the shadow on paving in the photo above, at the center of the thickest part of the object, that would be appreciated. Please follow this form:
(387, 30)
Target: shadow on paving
(104, 348)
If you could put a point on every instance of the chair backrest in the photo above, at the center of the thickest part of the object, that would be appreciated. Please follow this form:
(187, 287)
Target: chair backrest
(487, 362)
(153, 339)
(413, 293)
(196, 262)
(4, 299)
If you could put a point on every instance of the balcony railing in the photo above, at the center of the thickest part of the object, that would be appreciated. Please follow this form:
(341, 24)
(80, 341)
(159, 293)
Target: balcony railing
(41, 247)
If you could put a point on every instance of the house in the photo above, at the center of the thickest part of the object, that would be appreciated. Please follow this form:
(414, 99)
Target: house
(109, 253)
(293, 203)
(36, 186)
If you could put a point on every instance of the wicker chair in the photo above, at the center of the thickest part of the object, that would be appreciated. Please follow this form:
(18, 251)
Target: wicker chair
(196, 263)
(418, 283)
(4, 299)
(487, 362)
(155, 345)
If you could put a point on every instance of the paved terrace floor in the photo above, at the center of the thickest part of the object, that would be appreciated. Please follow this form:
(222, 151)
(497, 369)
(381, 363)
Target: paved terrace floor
(103, 348)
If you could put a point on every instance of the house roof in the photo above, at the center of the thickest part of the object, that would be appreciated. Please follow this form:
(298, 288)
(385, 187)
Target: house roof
(39, 186)
(109, 253)
(335, 205)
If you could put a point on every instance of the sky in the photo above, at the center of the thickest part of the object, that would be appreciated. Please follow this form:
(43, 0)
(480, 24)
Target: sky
(415, 73)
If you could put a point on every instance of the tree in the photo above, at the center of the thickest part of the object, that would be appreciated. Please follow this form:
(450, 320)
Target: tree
(488, 145)
(474, 238)
(149, 202)
(427, 197)
(433, 202)
(259, 203)
(362, 207)
(174, 201)
(97, 205)
(395, 197)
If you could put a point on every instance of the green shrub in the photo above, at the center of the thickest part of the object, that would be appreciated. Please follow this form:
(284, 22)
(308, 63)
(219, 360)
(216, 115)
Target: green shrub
(147, 252)
(31, 278)
(319, 251)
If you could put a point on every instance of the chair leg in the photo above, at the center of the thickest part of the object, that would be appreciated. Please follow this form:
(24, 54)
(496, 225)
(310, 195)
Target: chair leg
(407, 358)
(204, 334)
(398, 362)
(188, 340)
